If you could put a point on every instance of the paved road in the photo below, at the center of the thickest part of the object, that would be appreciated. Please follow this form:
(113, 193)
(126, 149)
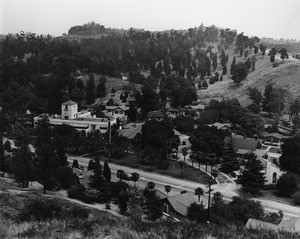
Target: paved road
(227, 189)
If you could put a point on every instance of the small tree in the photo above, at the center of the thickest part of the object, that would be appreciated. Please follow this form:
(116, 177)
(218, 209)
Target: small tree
(199, 192)
(252, 178)
(91, 165)
(106, 172)
(75, 164)
(168, 188)
(151, 185)
(287, 184)
(135, 177)
(120, 174)
(184, 153)
(97, 180)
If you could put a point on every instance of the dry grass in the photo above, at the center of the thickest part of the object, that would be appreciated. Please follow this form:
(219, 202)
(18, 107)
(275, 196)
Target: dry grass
(286, 76)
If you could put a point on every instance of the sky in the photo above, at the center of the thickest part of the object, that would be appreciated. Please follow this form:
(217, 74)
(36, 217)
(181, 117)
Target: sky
(269, 18)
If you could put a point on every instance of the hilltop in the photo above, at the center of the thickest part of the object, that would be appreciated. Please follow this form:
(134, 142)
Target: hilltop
(286, 76)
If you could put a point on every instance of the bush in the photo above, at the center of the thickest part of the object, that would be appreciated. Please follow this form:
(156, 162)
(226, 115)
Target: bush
(52, 184)
(76, 192)
(296, 198)
(92, 195)
(275, 64)
(287, 184)
(39, 209)
(65, 177)
(107, 206)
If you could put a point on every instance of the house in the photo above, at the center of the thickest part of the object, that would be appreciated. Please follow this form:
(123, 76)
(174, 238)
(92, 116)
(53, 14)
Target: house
(290, 225)
(178, 205)
(272, 171)
(184, 139)
(155, 115)
(274, 138)
(223, 126)
(241, 144)
(131, 130)
(82, 120)
(117, 112)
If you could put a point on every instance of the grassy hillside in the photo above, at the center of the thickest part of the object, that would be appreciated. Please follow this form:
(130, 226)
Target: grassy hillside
(286, 76)
(30, 215)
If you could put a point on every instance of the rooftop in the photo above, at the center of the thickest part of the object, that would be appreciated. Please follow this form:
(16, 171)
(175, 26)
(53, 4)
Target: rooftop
(69, 102)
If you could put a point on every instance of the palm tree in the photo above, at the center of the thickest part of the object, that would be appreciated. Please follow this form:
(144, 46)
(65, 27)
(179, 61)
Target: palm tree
(151, 185)
(199, 192)
(120, 174)
(184, 153)
(135, 177)
(168, 188)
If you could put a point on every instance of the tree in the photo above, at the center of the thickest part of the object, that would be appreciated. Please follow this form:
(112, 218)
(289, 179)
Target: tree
(233, 65)
(263, 49)
(135, 177)
(184, 153)
(287, 184)
(204, 84)
(132, 114)
(97, 180)
(47, 161)
(75, 164)
(252, 178)
(199, 191)
(90, 90)
(290, 158)
(123, 201)
(272, 53)
(101, 88)
(267, 97)
(239, 73)
(151, 185)
(23, 166)
(196, 212)
(241, 209)
(168, 188)
(255, 95)
(120, 174)
(283, 54)
(106, 172)
(215, 61)
(197, 156)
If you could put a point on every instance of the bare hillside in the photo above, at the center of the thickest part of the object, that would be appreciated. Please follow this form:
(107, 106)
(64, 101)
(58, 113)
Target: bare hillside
(286, 75)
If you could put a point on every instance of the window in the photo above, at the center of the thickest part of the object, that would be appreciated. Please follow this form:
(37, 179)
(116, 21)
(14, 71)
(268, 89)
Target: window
(66, 107)
(274, 180)
(183, 142)
(66, 117)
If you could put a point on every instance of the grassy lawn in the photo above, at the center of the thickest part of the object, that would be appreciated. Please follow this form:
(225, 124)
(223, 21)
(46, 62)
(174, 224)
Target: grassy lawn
(188, 172)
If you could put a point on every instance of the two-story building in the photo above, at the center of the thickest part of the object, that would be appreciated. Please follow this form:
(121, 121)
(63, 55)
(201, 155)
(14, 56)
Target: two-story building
(82, 120)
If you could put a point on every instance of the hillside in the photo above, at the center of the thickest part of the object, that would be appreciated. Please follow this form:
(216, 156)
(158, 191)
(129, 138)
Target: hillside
(32, 215)
(286, 76)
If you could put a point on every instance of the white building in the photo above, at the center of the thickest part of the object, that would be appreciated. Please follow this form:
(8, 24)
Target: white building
(82, 120)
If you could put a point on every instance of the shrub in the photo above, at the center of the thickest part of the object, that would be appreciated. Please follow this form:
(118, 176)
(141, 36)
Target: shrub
(52, 184)
(92, 195)
(76, 192)
(39, 209)
(275, 64)
(65, 177)
(286, 184)
(107, 206)
(296, 198)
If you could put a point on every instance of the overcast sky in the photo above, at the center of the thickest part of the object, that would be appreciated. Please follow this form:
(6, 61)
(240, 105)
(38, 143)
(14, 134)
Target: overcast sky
(270, 18)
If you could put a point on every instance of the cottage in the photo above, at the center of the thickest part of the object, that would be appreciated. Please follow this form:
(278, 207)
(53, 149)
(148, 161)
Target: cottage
(178, 205)
(155, 115)
(117, 112)
(131, 130)
(274, 138)
(241, 144)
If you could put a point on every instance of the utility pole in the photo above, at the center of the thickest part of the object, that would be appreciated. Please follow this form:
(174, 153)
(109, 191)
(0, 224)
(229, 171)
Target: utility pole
(208, 203)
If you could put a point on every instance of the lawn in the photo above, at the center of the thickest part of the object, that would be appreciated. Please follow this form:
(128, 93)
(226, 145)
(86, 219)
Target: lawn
(187, 172)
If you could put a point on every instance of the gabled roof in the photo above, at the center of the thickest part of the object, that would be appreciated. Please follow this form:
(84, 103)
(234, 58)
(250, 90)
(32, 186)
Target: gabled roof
(276, 135)
(114, 107)
(198, 107)
(181, 202)
(292, 224)
(220, 125)
(257, 224)
(160, 194)
(69, 102)
(244, 143)
(131, 130)
(155, 114)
